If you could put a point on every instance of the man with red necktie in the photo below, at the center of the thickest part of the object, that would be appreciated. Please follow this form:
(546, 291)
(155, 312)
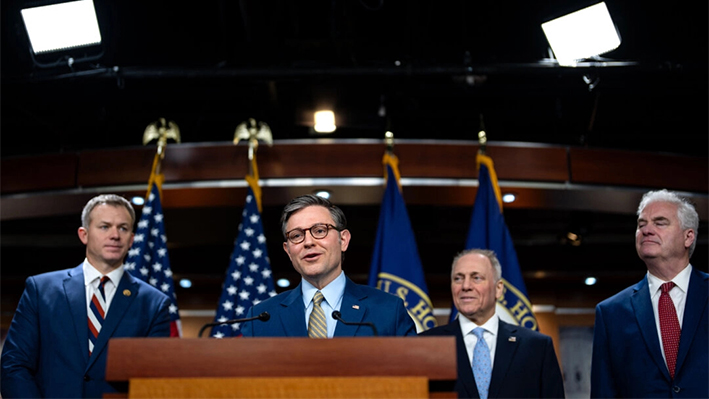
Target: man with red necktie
(651, 339)
(57, 343)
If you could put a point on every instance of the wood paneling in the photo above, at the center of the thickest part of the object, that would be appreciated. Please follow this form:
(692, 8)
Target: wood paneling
(193, 162)
(213, 174)
(288, 387)
(432, 357)
(45, 172)
(626, 168)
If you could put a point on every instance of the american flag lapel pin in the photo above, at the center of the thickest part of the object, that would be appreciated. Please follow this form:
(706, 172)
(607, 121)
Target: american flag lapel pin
(355, 307)
(512, 339)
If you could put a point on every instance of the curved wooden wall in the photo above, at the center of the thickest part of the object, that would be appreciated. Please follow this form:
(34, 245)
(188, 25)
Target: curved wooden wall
(212, 174)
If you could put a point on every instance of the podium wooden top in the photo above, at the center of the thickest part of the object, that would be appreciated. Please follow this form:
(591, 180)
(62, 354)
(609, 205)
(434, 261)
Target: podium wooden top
(431, 357)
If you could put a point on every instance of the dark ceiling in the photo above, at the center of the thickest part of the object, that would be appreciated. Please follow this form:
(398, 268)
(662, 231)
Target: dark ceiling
(436, 67)
(432, 67)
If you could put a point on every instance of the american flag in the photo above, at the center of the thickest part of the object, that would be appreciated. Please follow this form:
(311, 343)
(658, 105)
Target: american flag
(248, 280)
(147, 258)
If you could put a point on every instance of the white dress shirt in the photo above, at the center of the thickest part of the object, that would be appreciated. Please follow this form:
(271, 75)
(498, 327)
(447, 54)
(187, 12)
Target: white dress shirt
(490, 335)
(678, 295)
(92, 277)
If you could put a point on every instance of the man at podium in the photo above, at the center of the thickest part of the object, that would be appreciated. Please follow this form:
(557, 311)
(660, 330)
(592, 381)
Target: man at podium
(326, 303)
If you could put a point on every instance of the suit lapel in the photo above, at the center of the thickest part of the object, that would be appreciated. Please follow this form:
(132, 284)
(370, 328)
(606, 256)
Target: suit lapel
(645, 317)
(75, 293)
(465, 366)
(126, 292)
(292, 318)
(352, 309)
(695, 307)
(504, 354)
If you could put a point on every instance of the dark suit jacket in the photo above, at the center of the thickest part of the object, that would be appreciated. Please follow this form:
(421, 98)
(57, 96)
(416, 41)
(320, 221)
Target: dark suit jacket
(627, 359)
(525, 364)
(360, 304)
(46, 353)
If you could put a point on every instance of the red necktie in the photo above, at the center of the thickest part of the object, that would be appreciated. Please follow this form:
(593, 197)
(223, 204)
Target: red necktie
(669, 327)
(97, 312)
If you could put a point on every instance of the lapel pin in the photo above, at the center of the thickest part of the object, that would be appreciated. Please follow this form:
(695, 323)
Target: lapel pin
(512, 339)
(355, 307)
(126, 292)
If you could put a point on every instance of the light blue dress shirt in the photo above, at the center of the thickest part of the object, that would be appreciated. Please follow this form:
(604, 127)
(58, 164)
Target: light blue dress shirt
(333, 294)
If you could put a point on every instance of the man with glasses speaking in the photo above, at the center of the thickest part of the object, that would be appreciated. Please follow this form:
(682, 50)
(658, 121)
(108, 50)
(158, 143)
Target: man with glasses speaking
(316, 238)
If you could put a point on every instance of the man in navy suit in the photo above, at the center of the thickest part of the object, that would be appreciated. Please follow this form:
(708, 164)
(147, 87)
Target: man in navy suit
(517, 362)
(316, 238)
(635, 348)
(56, 346)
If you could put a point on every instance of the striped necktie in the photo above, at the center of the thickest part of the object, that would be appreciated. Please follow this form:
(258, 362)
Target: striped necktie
(317, 325)
(97, 312)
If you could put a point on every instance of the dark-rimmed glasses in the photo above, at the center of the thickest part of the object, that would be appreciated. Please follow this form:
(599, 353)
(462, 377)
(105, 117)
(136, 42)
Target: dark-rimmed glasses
(318, 231)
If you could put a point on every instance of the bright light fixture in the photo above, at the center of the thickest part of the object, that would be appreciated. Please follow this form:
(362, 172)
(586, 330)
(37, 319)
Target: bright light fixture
(137, 200)
(590, 281)
(283, 283)
(323, 194)
(185, 283)
(325, 122)
(62, 26)
(508, 198)
(582, 34)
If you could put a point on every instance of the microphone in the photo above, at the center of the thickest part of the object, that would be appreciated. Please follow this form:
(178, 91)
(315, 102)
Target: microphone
(338, 316)
(263, 317)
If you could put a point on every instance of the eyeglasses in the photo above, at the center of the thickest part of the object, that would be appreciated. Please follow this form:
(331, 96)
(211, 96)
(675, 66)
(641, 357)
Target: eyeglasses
(319, 231)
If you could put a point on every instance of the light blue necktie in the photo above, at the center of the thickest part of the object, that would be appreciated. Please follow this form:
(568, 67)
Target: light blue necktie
(482, 366)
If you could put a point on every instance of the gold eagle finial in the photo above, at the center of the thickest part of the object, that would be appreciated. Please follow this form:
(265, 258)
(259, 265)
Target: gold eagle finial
(161, 130)
(253, 131)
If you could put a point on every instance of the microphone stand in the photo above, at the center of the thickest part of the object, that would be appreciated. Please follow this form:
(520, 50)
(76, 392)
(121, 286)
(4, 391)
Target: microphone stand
(338, 316)
(263, 317)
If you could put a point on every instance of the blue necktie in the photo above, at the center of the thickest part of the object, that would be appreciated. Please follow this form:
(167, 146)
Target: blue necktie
(482, 366)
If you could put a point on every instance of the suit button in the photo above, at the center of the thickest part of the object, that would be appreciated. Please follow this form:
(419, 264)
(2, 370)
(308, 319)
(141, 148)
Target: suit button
(676, 389)
(87, 378)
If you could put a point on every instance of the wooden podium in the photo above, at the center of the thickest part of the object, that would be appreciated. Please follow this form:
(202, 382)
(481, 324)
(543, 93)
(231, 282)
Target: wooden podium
(367, 367)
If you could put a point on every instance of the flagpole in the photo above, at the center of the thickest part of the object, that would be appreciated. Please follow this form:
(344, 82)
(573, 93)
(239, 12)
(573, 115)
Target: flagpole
(148, 258)
(253, 131)
(161, 130)
(396, 266)
(248, 279)
(488, 230)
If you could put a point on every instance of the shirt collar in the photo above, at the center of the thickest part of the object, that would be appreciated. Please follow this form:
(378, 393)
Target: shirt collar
(681, 280)
(91, 274)
(332, 292)
(491, 326)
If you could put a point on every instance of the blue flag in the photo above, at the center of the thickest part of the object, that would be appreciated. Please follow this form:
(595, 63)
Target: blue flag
(489, 231)
(396, 266)
(147, 258)
(248, 279)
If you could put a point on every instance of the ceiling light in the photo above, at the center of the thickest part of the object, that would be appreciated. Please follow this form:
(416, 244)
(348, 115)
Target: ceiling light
(508, 198)
(582, 34)
(325, 122)
(590, 281)
(62, 26)
(323, 194)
